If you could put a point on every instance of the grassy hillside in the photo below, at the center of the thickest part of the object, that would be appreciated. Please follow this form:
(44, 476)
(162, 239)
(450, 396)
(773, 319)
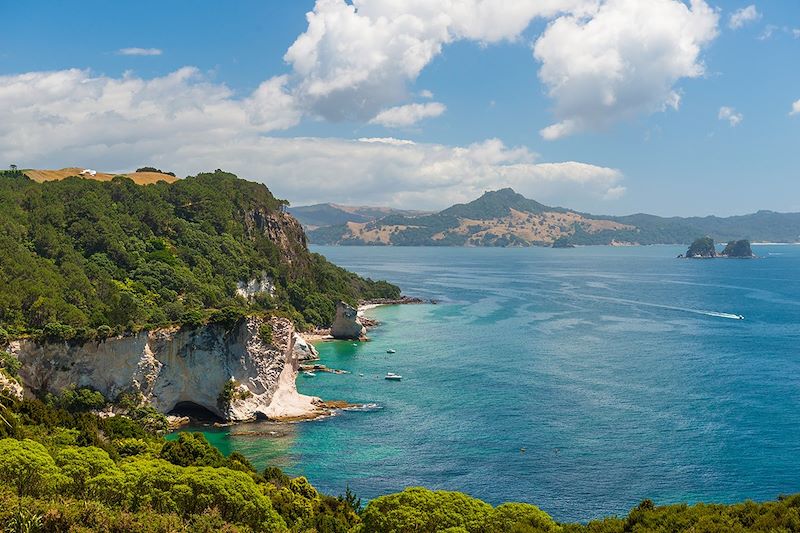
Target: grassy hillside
(505, 218)
(140, 178)
(81, 258)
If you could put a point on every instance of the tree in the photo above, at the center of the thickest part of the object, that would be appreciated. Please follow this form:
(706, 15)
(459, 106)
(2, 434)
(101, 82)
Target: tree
(80, 465)
(27, 466)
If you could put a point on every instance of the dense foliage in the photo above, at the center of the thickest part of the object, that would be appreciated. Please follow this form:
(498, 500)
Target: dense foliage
(65, 469)
(81, 258)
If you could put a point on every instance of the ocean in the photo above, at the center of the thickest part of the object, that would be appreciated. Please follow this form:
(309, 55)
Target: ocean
(580, 380)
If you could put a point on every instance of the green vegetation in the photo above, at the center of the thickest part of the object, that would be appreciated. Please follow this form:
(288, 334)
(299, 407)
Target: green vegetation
(740, 248)
(563, 242)
(65, 469)
(83, 259)
(154, 169)
(702, 247)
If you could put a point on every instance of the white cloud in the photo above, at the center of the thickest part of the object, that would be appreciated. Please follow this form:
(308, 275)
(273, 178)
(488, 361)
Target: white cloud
(140, 51)
(425, 93)
(768, 32)
(795, 108)
(796, 33)
(186, 124)
(621, 61)
(70, 115)
(730, 114)
(407, 115)
(355, 60)
(742, 16)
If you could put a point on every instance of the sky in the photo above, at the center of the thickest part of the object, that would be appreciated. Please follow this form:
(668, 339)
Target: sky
(668, 107)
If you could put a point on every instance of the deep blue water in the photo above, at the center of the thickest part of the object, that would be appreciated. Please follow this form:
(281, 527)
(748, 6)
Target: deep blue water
(581, 380)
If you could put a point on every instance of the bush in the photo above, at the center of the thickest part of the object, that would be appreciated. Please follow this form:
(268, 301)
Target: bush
(4, 337)
(10, 364)
(265, 333)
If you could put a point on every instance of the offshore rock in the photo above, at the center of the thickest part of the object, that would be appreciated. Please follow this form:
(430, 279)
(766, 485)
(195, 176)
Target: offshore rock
(346, 325)
(227, 370)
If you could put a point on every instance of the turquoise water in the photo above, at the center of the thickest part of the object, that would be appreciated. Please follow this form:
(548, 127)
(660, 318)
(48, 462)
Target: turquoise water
(580, 380)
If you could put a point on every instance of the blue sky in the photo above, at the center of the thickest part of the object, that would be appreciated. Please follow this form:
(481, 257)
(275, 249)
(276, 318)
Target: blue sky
(489, 99)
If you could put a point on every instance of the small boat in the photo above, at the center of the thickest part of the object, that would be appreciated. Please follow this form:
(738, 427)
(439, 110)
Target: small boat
(740, 317)
(391, 376)
(391, 351)
(309, 373)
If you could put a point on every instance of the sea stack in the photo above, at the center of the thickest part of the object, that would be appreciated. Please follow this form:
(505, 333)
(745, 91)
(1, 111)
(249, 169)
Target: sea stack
(738, 249)
(346, 325)
(702, 248)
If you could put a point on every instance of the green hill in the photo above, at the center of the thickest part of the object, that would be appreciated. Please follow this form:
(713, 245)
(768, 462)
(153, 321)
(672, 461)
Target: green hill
(82, 258)
(506, 218)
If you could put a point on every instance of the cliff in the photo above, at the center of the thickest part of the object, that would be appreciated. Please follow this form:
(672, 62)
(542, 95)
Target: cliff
(230, 372)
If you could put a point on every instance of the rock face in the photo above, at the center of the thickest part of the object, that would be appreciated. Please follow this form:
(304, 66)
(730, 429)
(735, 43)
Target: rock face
(702, 248)
(304, 351)
(347, 325)
(739, 249)
(10, 387)
(249, 289)
(229, 372)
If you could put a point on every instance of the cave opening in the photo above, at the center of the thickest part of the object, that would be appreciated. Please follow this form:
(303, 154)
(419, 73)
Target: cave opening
(195, 412)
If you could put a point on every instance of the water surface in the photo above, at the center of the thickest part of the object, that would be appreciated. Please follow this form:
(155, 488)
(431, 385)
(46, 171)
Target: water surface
(581, 380)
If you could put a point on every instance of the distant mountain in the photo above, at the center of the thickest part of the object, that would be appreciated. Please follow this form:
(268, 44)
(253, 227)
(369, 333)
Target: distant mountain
(318, 215)
(506, 218)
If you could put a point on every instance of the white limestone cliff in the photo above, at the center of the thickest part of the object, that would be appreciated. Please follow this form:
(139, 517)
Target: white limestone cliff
(228, 371)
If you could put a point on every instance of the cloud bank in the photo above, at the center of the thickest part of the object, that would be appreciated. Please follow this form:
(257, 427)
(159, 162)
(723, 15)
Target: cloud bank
(183, 122)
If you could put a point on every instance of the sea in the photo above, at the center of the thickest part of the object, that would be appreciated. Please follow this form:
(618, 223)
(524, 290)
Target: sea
(580, 380)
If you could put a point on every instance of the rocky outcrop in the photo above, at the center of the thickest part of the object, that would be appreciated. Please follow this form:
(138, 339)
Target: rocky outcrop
(10, 387)
(738, 249)
(702, 248)
(303, 350)
(228, 371)
(249, 289)
(346, 325)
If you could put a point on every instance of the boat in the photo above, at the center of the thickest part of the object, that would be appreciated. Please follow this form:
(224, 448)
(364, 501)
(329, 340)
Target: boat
(740, 317)
(309, 373)
(391, 351)
(391, 376)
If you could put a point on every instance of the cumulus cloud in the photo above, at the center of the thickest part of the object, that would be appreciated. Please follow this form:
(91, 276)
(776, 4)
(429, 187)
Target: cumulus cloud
(356, 59)
(621, 61)
(407, 115)
(731, 115)
(742, 16)
(140, 51)
(601, 61)
(68, 115)
(795, 108)
(187, 124)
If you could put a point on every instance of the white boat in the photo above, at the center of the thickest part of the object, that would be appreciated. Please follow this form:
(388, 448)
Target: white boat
(309, 373)
(391, 351)
(391, 376)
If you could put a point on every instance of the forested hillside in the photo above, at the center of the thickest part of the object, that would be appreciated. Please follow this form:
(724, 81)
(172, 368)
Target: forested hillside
(82, 258)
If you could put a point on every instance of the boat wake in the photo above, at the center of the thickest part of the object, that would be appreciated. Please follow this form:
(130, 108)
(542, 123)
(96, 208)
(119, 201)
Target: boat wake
(717, 314)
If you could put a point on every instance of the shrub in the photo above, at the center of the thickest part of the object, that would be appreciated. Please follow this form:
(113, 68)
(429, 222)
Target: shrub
(10, 364)
(265, 333)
